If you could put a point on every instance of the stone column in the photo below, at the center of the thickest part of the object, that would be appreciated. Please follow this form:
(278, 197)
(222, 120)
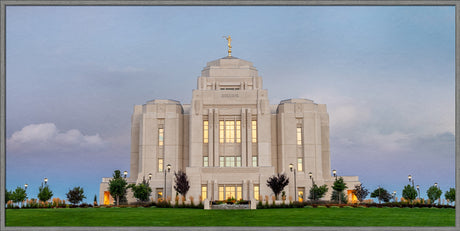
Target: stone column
(249, 136)
(216, 137)
(211, 137)
(244, 189)
(216, 190)
(244, 156)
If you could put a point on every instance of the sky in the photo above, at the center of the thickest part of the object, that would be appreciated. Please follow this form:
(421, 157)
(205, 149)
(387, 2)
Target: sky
(74, 73)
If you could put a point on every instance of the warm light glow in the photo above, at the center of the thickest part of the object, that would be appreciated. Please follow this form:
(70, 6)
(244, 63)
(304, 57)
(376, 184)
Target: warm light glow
(205, 131)
(107, 198)
(410, 177)
(150, 176)
(290, 167)
(46, 180)
(221, 132)
(256, 192)
(230, 131)
(169, 167)
(334, 172)
(310, 174)
(352, 196)
(238, 131)
(254, 131)
(204, 192)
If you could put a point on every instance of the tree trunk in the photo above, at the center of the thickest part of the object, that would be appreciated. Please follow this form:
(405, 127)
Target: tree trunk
(118, 200)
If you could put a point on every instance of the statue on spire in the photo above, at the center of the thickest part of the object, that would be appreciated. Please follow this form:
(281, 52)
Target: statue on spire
(229, 40)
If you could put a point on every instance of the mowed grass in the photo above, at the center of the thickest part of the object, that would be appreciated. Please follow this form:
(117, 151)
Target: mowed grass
(262, 217)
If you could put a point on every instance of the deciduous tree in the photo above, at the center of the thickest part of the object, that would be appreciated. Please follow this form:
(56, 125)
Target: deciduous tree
(117, 186)
(18, 195)
(317, 193)
(450, 195)
(381, 194)
(277, 183)
(433, 193)
(141, 191)
(44, 193)
(182, 185)
(75, 195)
(409, 192)
(360, 192)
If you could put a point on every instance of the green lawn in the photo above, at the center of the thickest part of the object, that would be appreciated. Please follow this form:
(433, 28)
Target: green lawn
(262, 217)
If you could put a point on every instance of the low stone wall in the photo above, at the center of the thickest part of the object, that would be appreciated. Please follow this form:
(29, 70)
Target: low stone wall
(231, 206)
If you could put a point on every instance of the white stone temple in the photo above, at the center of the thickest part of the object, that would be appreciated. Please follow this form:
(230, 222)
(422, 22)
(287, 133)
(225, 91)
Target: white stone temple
(230, 140)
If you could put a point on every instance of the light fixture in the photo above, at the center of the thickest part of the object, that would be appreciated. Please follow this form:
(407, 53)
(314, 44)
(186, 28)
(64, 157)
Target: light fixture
(409, 177)
(150, 176)
(291, 166)
(334, 172)
(125, 173)
(46, 180)
(25, 186)
(169, 167)
(310, 174)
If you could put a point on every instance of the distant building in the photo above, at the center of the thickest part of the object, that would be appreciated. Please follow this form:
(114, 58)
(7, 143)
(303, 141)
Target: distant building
(230, 140)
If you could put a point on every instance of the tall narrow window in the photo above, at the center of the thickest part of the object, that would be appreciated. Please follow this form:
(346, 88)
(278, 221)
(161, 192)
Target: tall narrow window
(230, 131)
(300, 164)
(239, 193)
(221, 131)
(160, 165)
(160, 136)
(222, 161)
(204, 192)
(205, 161)
(238, 131)
(254, 161)
(205, 131)
(238, 161)
(299, 136)
(254, 131)
(221, 193)
(229, 161)
(256, 192)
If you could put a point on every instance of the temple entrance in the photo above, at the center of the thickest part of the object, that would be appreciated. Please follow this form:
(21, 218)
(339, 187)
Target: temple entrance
(230, 191)
(351, 196)
(108, 199)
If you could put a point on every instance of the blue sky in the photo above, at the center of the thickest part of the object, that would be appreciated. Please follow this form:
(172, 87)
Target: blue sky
(386, 74)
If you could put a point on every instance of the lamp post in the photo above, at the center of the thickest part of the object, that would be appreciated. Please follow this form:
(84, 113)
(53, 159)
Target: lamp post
(418, 189)
(25, 186)
(150, 177)
(164, 189)
(436, 185)
(312, 183)
(46, 180)
(125, 173)
(411, 180)
(291, 167)
(334, 172)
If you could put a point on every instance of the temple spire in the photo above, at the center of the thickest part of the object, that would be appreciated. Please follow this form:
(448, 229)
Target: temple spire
(229, 40)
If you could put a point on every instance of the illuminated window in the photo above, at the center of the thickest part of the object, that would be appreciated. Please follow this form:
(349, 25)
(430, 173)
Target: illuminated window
(230, 131)
(159, 193)
(229, 192)
(256, 192)
(300, 164)
(254, 161)
(221, 131)
(300, 194)
(204, 192)
(221, 193)
(205, 131)
(254, 131)
(160, 136)
(160, 165)
(238, 131)
(238, 161)
(299, 136)
(221, 161)
(205, 161)
(239, 194)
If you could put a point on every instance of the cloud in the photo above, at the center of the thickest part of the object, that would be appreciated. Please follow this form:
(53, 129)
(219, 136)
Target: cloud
(46, 136)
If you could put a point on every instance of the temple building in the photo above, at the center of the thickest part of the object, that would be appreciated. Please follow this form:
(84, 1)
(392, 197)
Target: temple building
(230, 139)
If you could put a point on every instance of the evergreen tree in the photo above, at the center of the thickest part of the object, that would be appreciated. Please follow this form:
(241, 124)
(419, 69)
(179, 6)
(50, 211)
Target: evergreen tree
(117, 186)
(141, 191)
(277, 183)
(433, 193)
(317, 193)
(44, 193)
(95, 200)
(75, 195)
(381, 194)
(409, 192)
(339, 186)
